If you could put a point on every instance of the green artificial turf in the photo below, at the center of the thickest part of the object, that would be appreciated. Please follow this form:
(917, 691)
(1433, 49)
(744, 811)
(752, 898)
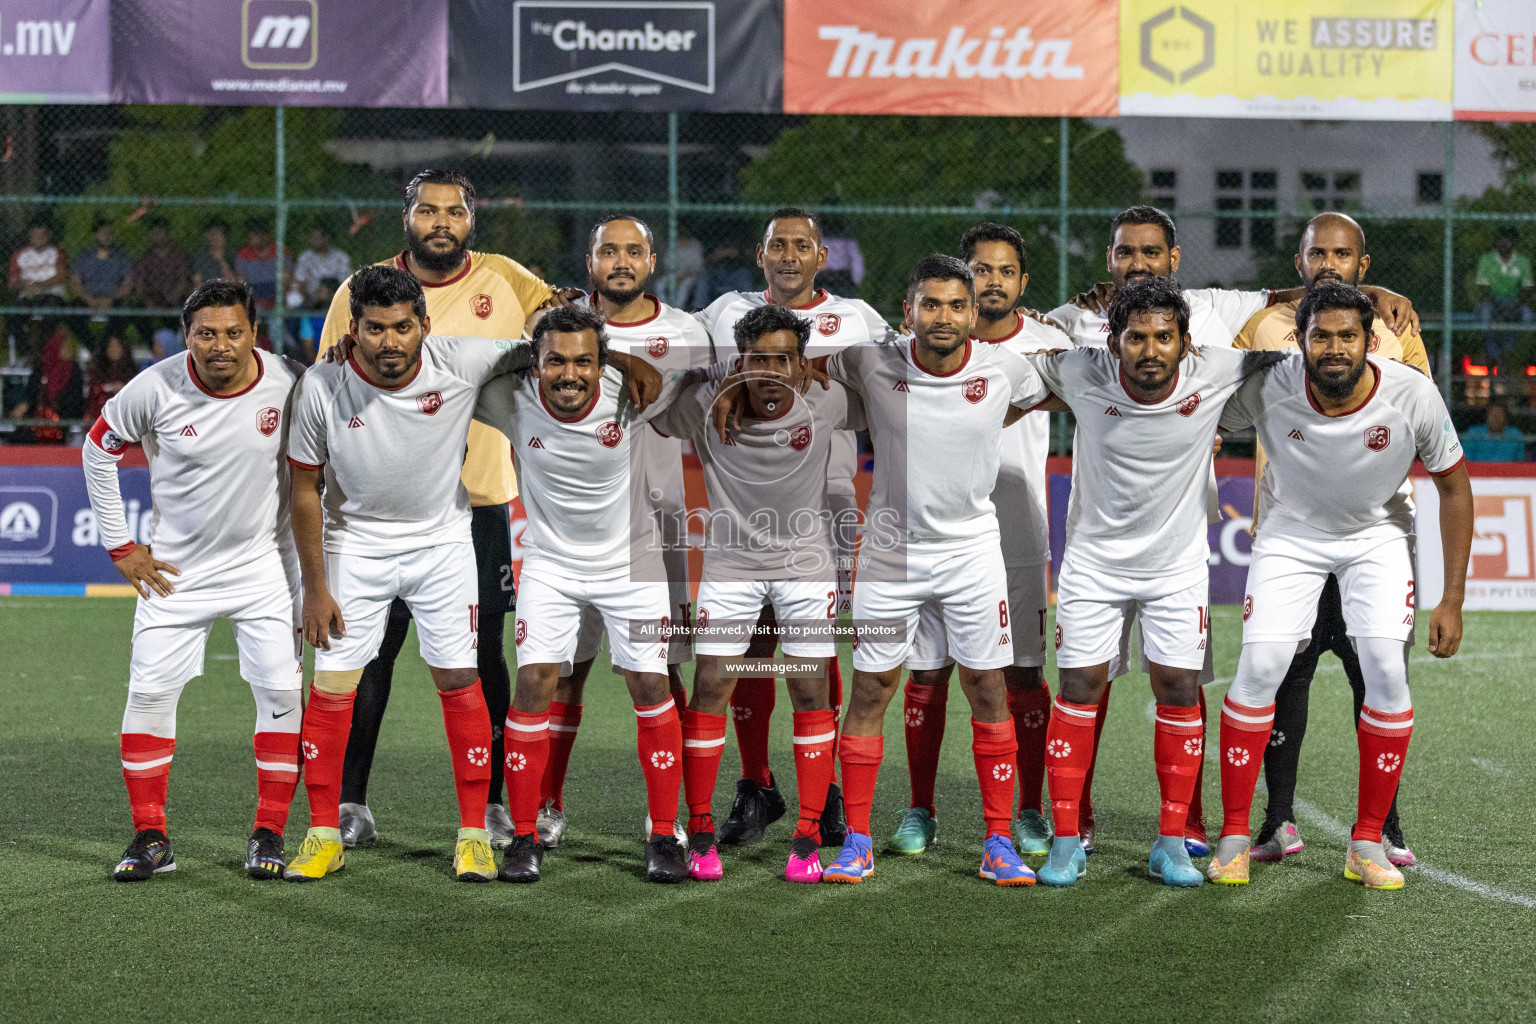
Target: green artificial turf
(394, 938)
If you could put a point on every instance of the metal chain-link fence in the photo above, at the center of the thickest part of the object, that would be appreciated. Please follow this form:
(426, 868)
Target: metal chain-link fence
(101, 204)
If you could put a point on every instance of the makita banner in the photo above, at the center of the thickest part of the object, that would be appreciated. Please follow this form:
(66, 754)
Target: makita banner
(55, 51)
(1009, 57)
(332, 53)
(720, 55)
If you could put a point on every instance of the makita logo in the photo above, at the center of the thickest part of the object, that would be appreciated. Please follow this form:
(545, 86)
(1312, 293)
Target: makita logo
(667, 43)
(280, 34)
(960, 55)
(40, 39)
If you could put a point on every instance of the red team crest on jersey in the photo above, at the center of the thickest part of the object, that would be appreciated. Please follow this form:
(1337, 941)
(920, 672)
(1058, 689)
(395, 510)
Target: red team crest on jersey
(1189, 405)
(520, 633)
(1377, 438)
(827, 324)
(267, 420)
(975, 389)
(610, 434)
(430, 402)
(800, 438)
(480, 305)
(1058, 636)
(656, 347)
(1247, 606)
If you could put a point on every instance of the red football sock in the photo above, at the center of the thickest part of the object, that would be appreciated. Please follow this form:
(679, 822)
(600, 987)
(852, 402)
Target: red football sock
(1383, 741)
(1244, 735)
(527, 742)
(703, 743)
(996, 752)
(751, 709)
(1101, 712)
(815, 738)
(924, 708)
(468, 725)
(659, 741)
(1195, 822)
(147, 772)
(835, 698)
(327, 723)
(861, 766)
(1069, 745)
(277, 776)
(1031, 710)
(564, 720)
(1178, 742)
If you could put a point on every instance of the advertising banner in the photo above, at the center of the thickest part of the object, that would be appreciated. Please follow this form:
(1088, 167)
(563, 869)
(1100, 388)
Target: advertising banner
(55, 51)
(1502, 574)
(1008, 57)
(1287, 58)
(719, 55)
(1495, 61)
(339, 53)
(47, 530)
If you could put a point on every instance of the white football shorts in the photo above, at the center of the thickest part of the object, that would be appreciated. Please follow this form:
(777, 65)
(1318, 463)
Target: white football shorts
(1287, 574)
(438, 583)
(806, 611)
(550, 611)
(1095, 609)
(1028, 602)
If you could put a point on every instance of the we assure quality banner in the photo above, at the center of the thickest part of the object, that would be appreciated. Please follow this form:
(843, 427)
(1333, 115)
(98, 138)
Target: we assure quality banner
(1386, 60)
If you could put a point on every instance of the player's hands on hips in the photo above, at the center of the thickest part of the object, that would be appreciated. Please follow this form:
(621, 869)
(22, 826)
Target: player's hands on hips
(140, 568)
(1445, 630)
(322, 620)
(341, 351)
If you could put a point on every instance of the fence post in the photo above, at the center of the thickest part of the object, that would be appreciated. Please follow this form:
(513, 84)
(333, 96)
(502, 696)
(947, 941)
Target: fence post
(277, 332)
(1447, 271)
(672, 206)
(1063, 164)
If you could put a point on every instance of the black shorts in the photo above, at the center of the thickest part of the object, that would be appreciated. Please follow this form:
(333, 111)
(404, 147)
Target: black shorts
(491, 531)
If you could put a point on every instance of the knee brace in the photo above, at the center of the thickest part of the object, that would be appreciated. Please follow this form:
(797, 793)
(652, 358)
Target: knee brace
(339, 683)
(277, 710)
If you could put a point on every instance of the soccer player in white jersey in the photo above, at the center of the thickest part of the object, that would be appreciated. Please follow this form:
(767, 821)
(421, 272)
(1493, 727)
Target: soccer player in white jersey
(592, 542)
(621, 258)
(995, 254)
(769, 539)
(1342, 432)
(935, 405)
(1146, 409)
(791, 254)
(214, 425)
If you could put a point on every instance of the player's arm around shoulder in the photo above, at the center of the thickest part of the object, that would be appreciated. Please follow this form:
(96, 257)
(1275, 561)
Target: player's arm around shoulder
(338, 319)
(533, 293)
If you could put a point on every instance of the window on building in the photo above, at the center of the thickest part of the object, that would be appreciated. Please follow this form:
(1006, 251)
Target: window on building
(1262, 199)
(1162, 189)
(1239, 192)
(1331, 190)
(1430, 186)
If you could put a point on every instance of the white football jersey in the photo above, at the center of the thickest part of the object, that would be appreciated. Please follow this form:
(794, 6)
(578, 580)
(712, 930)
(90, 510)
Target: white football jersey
(1022, 488)
(836, 323)
(1215, 317)
(767, 485)
(217, 477)
(581, 480)
(1329, 475)
(937, 439)
(1139, 471)
(392, 456)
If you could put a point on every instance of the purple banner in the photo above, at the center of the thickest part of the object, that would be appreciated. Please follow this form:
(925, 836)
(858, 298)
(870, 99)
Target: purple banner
(47, 530)
(326, 53)
(1229, 539)
(55, 51)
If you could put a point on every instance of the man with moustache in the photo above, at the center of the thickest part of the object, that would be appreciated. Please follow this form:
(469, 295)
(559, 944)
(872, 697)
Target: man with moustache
(1331, 251)
(468, 294)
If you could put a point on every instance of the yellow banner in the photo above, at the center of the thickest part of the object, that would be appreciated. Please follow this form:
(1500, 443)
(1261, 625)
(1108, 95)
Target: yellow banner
(1354, 59)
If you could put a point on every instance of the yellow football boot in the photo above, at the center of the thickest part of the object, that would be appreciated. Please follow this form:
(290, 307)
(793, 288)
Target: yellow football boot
(1233, 872)
(1367, 864)
(472, 857)
(321, 854)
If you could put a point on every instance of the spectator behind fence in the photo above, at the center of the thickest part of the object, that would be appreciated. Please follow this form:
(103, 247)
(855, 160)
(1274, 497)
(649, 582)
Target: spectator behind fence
(102, 276)
(162, 275)
(54, 390)
(1493, 441)
(213, 263)
(39, 270)
(319, 268)
(112, 366)
(256, 264)
(1503, 286)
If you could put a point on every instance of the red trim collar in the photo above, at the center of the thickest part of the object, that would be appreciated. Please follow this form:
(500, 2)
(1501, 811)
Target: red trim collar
(469, 259)
(1017, 327)
(261, 369)
(1307, 385)
(912, 348)
(596, 394)
(352, 362)
(1173, 386)
(820, 293)
(592, 301)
